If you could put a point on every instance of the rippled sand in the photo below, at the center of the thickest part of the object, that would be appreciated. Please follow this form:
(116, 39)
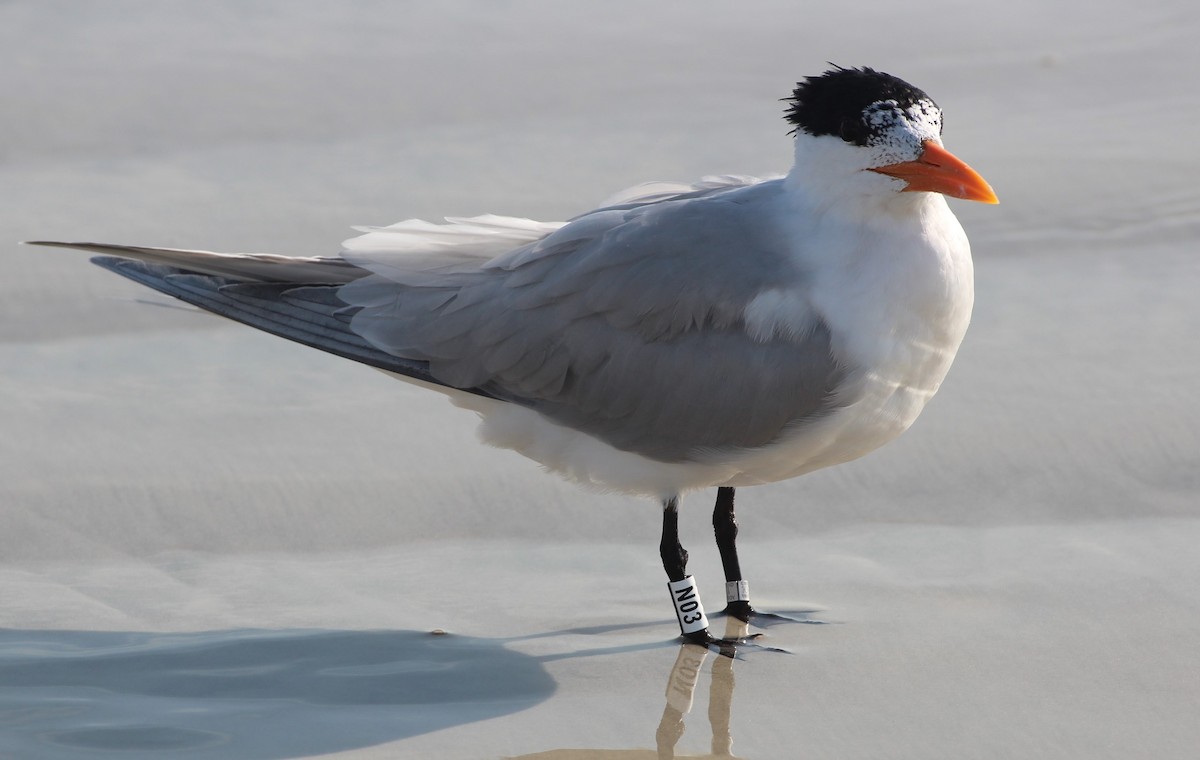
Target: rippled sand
(214, 544)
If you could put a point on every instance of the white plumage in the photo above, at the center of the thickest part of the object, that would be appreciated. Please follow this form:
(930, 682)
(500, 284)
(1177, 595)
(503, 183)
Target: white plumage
(727, 333)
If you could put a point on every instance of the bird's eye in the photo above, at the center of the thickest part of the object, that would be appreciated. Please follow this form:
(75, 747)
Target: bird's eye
(855, 131)
(846, 129)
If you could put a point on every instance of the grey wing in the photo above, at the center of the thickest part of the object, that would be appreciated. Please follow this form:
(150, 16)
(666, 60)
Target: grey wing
(627, 324)
(244, 267)
(309, 314)
(704, 391)
(656, 192)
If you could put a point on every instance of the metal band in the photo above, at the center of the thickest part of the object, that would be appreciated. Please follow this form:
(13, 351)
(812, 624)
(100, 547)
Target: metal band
(737, 591)
(688, 608)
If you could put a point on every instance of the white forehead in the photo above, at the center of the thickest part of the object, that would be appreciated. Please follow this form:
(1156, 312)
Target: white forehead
(897, 134)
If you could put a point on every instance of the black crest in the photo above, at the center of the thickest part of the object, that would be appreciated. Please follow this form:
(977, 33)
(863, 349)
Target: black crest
(833, 103)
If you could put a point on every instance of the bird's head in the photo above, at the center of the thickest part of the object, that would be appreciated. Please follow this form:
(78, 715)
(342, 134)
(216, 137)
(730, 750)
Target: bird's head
(864, 120)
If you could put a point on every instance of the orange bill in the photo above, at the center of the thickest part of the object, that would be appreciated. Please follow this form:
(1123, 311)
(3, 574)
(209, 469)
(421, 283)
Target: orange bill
(939, 171)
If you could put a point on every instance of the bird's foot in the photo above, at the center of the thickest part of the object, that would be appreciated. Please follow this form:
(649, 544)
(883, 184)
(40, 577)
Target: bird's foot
(744, 612)
(706, 639)
(728, 647)
(737, 639)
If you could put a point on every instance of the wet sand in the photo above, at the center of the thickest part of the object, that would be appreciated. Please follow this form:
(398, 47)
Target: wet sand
(216, 544)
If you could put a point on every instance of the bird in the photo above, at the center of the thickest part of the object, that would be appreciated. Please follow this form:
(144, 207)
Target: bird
(726, 333)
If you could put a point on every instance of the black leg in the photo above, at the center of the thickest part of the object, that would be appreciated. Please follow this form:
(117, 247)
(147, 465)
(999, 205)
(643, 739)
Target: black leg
(674, 556)
(693, 623)
(726, 529)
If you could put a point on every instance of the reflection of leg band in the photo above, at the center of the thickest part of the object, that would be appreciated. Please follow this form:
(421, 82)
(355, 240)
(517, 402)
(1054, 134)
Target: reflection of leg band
(687, 605)
(737, 591)
(682, 685)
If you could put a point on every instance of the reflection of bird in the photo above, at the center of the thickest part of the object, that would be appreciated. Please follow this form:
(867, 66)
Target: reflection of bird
(728, 333)
(680, 693)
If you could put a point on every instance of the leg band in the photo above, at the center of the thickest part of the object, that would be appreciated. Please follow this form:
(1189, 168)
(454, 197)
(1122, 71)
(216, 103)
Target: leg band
(737, 591)
(687, 605)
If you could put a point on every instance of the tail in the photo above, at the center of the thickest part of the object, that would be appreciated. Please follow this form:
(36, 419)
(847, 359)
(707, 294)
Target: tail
(294, 298)
(243, 267)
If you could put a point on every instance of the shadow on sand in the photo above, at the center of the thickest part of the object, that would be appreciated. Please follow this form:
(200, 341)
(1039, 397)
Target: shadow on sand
(249, 693)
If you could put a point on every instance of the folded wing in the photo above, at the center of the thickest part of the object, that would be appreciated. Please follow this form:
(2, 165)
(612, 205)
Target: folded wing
(607, 324)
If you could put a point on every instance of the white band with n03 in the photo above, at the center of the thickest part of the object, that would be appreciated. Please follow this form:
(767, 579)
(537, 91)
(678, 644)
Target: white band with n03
(737, 591)
(688, 608)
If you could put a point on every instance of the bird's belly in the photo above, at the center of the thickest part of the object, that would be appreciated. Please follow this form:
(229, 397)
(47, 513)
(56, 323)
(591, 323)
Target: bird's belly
(882, 409)
(581, 458)
(879, 404)
(845, 435)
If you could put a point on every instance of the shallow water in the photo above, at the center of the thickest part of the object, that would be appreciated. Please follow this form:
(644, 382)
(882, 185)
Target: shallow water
(215, 544)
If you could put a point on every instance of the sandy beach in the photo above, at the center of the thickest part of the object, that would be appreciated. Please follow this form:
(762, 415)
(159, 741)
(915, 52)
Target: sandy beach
(217, 544)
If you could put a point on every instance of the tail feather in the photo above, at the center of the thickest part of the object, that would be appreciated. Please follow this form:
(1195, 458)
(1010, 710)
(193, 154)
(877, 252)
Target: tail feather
(246, 267)
(309, 314)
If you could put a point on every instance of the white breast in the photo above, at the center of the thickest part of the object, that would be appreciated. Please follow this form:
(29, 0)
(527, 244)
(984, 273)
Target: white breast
(897, 300)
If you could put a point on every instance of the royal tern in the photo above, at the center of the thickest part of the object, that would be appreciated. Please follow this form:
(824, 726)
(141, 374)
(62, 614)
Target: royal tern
(728, 333)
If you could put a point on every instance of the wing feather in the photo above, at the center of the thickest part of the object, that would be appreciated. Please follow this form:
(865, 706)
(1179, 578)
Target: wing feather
(311, 315)
(610, 325)
(256, 267)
